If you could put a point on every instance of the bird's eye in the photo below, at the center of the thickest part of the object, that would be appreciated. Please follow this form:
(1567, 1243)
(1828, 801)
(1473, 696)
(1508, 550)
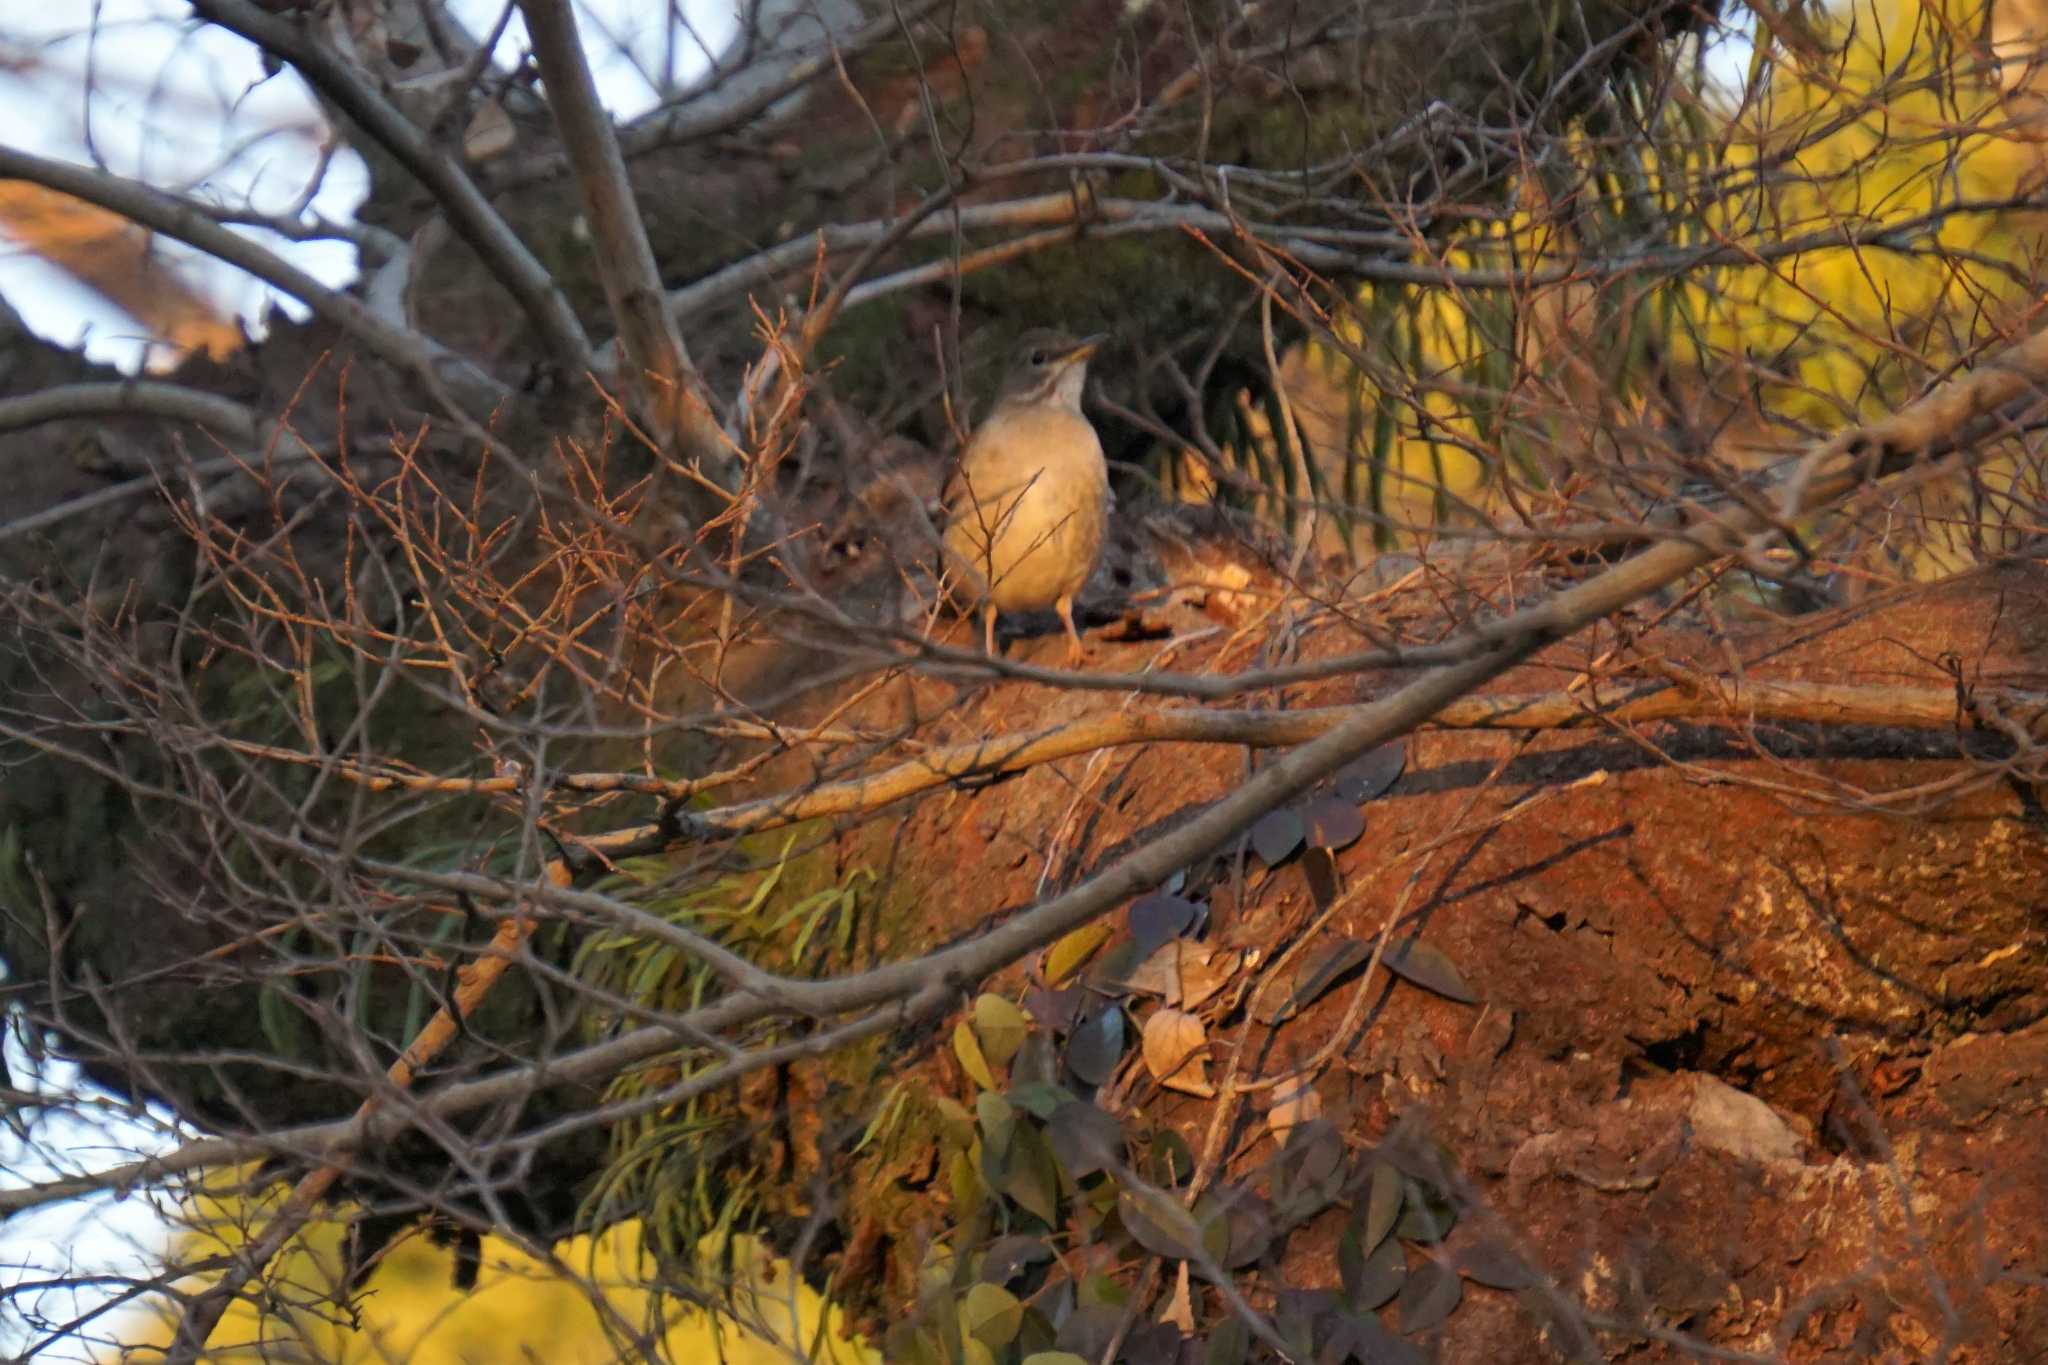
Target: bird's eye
(1038, 357)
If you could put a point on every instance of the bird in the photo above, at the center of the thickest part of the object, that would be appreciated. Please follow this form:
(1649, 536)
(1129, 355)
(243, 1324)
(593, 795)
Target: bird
(1026, 512)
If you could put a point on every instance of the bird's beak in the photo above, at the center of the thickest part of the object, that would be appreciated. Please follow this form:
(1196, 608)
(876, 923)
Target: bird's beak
(1083, 349)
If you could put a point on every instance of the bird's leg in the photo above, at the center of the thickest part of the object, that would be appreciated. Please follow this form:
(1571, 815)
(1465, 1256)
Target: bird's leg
(988, 629)
(1066, 608)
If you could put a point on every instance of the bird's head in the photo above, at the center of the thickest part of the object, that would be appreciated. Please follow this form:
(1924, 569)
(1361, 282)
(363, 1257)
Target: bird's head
(1048, 367)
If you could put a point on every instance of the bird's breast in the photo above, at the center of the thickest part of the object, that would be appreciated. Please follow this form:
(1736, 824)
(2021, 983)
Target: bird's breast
(1025, 519)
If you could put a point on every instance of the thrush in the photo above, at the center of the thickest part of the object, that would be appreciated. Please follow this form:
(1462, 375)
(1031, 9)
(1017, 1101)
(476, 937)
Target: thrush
(1025, 512)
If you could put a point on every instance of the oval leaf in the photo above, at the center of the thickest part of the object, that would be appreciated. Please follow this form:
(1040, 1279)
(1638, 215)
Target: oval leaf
(1160, 1224)
(1361, 781)
(1321, 967)
(1331, 823)
(991, 1314)
(1416, 961)
(1084, 1139)
(1382, 1206)
(1008, 1255)
(1174, 1044)
(1496, 1266)
(1276, 835)
(1068, 955)
(1428, 1216)
(1381, 1277)
(1097, 1044)
(1427, 1297)
(968, 1049)
(1000, 1026)
(1155, 919)
(1032, 1179)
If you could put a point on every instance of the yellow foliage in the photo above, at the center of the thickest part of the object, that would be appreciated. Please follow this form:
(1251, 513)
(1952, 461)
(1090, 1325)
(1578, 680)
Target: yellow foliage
(522, 1308)
(1901, 137)
(1891, 131)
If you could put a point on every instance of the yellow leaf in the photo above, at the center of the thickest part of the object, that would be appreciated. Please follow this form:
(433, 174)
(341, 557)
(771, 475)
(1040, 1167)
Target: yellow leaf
(1174, 1040)
(1064, 958)
(968, 1050)
(1000, 1026)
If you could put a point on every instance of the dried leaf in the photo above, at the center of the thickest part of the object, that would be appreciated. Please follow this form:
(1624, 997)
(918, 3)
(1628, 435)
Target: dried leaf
(1179, 1307)
(1428, 1296)
(1416, 961)
(1097, 1044)
(1066, 957)
(1159, 974)
(1331, 823)
(1205, 972)
(490, 133)
(1174, 1043)
(1319, 870)
(1361, 781)
(1276, 835)
(1294, 1102)
(1000, 1026)
(968, 1049)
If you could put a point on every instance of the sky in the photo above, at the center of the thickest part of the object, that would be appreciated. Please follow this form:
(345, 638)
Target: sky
(190, 107)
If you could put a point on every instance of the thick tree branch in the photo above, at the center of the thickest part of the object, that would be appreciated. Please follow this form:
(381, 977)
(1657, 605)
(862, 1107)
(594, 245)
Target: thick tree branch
(175, 218)
(656, 360)
(471, 215)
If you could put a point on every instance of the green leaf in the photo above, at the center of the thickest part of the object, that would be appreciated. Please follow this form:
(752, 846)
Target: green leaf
(991, 1314)
(1032, 1178)
(1160, 1223)
(1428, 1296)
(1382, 1208)
(1084, 1139)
